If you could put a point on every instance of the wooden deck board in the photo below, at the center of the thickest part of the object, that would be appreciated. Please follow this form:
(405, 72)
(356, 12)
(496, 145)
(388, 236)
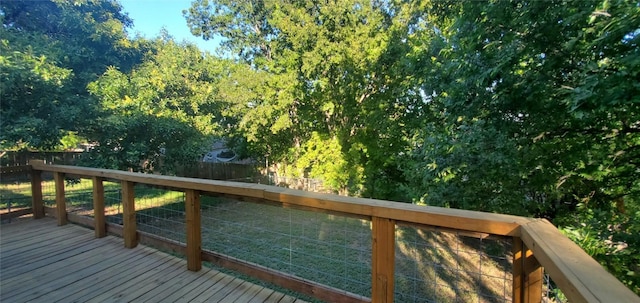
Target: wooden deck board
(261, 296)
(35, 254)
(24, 242)
(31, 273)
(197, 289)
(42, 262)
(84, 287)
(108, 284)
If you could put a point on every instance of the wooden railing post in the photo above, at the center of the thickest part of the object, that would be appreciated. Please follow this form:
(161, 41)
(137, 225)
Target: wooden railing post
(129, 215)
(98, 207)
(194, 235)
(37, 205)
(383, 259)
(527, 274)
(61, 207)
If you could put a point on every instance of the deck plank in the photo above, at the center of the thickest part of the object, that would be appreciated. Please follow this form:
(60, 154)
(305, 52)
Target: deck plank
(83, 287)
(116, 277)
(121, 287)
(147, 282)
(196, 288)
(42, 262)
(252, 290)
(26, 241)
(219, 295)
(31, 271)
(262, 295)
(95, 264)
(210, 290)
(31, 226)
(51, 274)
(47, 251)
(182, 280)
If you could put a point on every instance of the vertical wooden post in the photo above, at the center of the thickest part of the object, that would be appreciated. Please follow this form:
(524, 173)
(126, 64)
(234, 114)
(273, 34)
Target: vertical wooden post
(37, 206)
(61, 207)
(383, 259)
(129, 215)
(527, 274)
(194, 235)
(98, 207)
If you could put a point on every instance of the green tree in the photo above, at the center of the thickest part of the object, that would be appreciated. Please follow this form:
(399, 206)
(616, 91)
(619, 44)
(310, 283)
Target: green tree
(535, 112)
(50, 51)
(164, 108)
(343, 70)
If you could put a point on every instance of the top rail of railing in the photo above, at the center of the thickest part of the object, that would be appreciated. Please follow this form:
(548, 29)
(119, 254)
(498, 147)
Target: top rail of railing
(489, 223)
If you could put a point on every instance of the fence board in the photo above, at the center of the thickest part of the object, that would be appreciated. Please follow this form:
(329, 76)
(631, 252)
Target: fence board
(16, 158)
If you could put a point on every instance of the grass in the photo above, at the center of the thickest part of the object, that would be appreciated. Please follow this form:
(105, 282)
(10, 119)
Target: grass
(333, 250)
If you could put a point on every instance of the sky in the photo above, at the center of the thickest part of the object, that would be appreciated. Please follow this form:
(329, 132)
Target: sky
(149, 16)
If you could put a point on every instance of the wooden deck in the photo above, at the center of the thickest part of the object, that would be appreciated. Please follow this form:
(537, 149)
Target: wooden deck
(41, 262)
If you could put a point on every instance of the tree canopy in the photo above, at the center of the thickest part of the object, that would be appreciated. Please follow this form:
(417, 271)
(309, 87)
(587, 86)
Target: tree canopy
(50, 51)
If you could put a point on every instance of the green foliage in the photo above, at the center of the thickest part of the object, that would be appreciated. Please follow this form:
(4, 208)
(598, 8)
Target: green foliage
(31, 91)
(534, 111)
(167, 103)
(71, 140)
(50, 51)
(612, 238)
(342, 70)
(322, 158)
(176, 81)
(140, 142)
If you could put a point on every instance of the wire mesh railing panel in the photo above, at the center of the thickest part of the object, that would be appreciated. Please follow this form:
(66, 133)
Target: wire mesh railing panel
(15, 192)
(113, 202)
(328, 249)
(436, 266)
(550, 292)
(49, 193)
(160, 212)
(79, 196)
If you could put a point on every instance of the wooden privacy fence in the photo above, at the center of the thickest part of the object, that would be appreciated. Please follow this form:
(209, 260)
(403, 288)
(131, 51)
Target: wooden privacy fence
(17, 158)
(537, 244)
(219, 171)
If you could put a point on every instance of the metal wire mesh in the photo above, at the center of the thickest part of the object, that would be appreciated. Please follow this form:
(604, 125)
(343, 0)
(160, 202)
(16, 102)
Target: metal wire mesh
(79, 196)
(15, 192)
(49, 193)
(550, 292)
(160, 212)
(436, 266)
(113, 202)
(329, 249)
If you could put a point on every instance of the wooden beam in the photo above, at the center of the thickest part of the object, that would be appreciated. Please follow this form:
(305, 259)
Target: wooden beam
(194, 234)
(490, 223)
(129, 215)
(383, 259)
(61, 207)
(37, 204)
(100, 226)
(528, 275)
(15, 214)
(580, 277)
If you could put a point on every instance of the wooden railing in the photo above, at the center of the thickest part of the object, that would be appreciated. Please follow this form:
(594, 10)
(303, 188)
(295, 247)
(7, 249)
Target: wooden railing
(537, 244)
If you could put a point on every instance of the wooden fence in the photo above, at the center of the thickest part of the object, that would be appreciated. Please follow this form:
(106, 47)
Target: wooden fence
(536, 242)
(17, 158)
(219, 171)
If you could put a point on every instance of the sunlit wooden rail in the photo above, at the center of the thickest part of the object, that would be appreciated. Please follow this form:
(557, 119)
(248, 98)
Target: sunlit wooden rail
(537, 244)
(42, 263)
